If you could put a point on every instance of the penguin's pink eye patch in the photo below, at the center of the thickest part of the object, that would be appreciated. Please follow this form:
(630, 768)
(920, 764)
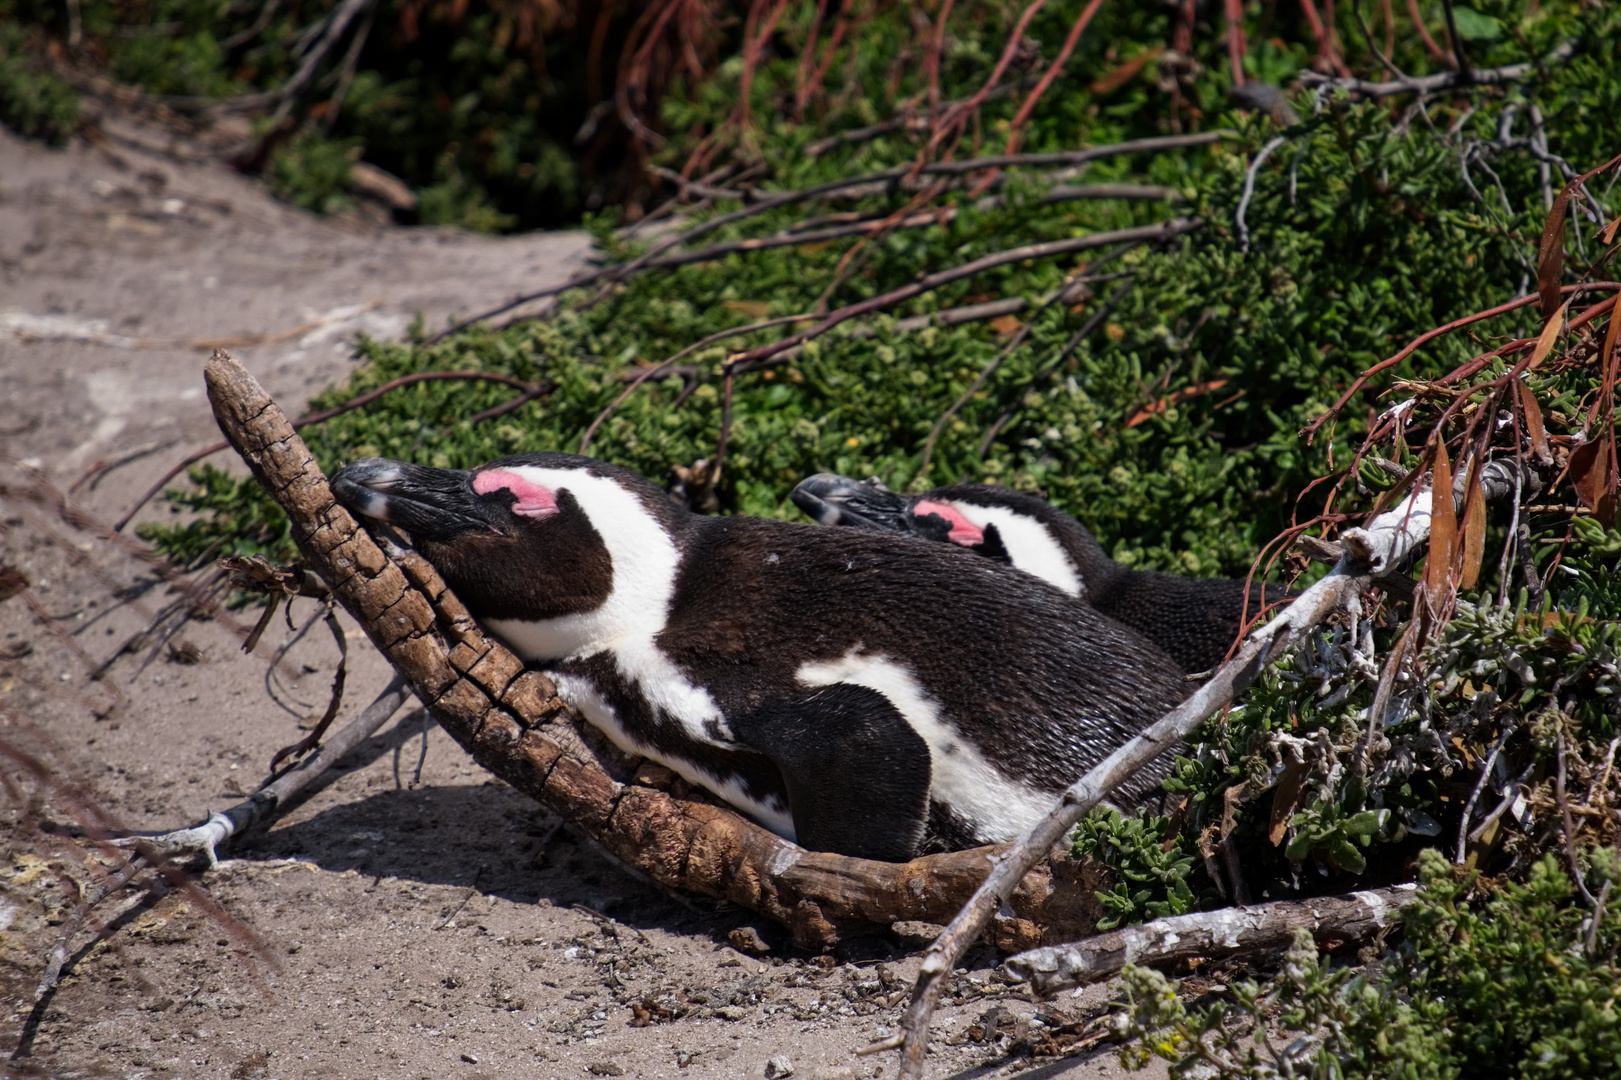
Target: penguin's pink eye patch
(534, 500)
(963, 531)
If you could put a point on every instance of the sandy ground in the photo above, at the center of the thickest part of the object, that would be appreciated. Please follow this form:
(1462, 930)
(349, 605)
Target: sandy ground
(386, 927)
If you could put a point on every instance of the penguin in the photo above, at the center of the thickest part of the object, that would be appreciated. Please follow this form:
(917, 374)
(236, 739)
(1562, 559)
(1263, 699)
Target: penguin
(853, 690)
(1195, 620)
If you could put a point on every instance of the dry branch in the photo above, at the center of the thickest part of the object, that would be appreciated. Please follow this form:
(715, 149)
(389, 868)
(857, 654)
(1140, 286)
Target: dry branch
(513, 724)
(1209, 935)
(1140, 235)
(875, 180)
(1368, 553)
(263, 805)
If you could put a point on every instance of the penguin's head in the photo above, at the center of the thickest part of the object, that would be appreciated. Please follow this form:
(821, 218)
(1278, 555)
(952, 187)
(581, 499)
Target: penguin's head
(532, 537)
(832, 499)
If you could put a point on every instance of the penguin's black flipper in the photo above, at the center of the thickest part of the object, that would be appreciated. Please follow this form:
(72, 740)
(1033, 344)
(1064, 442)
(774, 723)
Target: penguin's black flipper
(857, 773)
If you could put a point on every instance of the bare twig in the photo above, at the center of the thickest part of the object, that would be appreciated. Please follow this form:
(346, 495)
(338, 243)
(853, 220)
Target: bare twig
(1249, 190)
(1569, 823)
(1209, 935)
(1445, 80)
(663, 366)
(1474, 796)
(1512, 793)
(101, 467)
(985, 373)
(1142, 234)
(903, 119)
(339, 677)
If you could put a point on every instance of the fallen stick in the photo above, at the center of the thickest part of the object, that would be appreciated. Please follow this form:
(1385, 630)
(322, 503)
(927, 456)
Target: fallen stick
(263, 805)
(1209, 935)
(1367, 553)
(512, 723)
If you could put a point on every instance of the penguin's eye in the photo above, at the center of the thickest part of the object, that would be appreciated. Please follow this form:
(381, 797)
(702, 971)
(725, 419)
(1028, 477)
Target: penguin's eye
(963, 531)
(532, 500)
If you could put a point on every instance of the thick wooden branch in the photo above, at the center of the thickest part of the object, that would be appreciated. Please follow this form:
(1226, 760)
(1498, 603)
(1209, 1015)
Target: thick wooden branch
(512, 723)
(1209, 935)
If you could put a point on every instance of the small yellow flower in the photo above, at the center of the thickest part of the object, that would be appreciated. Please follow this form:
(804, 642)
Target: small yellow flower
(852, 442)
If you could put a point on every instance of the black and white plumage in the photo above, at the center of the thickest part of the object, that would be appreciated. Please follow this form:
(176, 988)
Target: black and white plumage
(855, 690)
(1196, 620)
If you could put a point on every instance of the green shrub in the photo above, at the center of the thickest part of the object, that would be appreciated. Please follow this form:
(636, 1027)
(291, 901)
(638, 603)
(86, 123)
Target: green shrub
(32, 101)
(1488, 981)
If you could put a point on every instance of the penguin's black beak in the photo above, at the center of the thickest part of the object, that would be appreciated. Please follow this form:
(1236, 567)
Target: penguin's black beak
(430, 504)
(831, 499)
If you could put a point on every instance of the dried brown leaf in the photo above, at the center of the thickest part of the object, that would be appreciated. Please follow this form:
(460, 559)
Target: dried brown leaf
(1285, 798)
(1547, 339)
(1474, 530)
(1443, 526)
(1006, 325)
(1551, 255)
(1531, 411)
(1123, 74)
(1590, 467)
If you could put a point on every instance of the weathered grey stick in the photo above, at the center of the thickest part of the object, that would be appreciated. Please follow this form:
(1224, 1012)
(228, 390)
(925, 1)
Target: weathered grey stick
(1444, 80)
(263, 805)
(1210, 935)
(1366, 554)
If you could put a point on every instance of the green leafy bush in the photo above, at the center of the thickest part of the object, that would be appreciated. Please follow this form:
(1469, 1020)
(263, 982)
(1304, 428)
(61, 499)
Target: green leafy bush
(1154, 865)
(32, 101)
(1487, 981)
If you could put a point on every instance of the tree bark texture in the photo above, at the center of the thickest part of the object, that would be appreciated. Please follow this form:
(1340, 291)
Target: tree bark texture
(511, 721)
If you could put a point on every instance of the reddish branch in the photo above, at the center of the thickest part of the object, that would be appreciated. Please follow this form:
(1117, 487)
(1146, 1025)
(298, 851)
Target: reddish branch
(1235, 39)
(1311, 429)
(953, 119)
(1017, 133)
(1325, 39)
(1435, 50)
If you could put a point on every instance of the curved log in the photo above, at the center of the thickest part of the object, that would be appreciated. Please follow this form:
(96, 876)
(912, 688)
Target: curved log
(513, 724)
